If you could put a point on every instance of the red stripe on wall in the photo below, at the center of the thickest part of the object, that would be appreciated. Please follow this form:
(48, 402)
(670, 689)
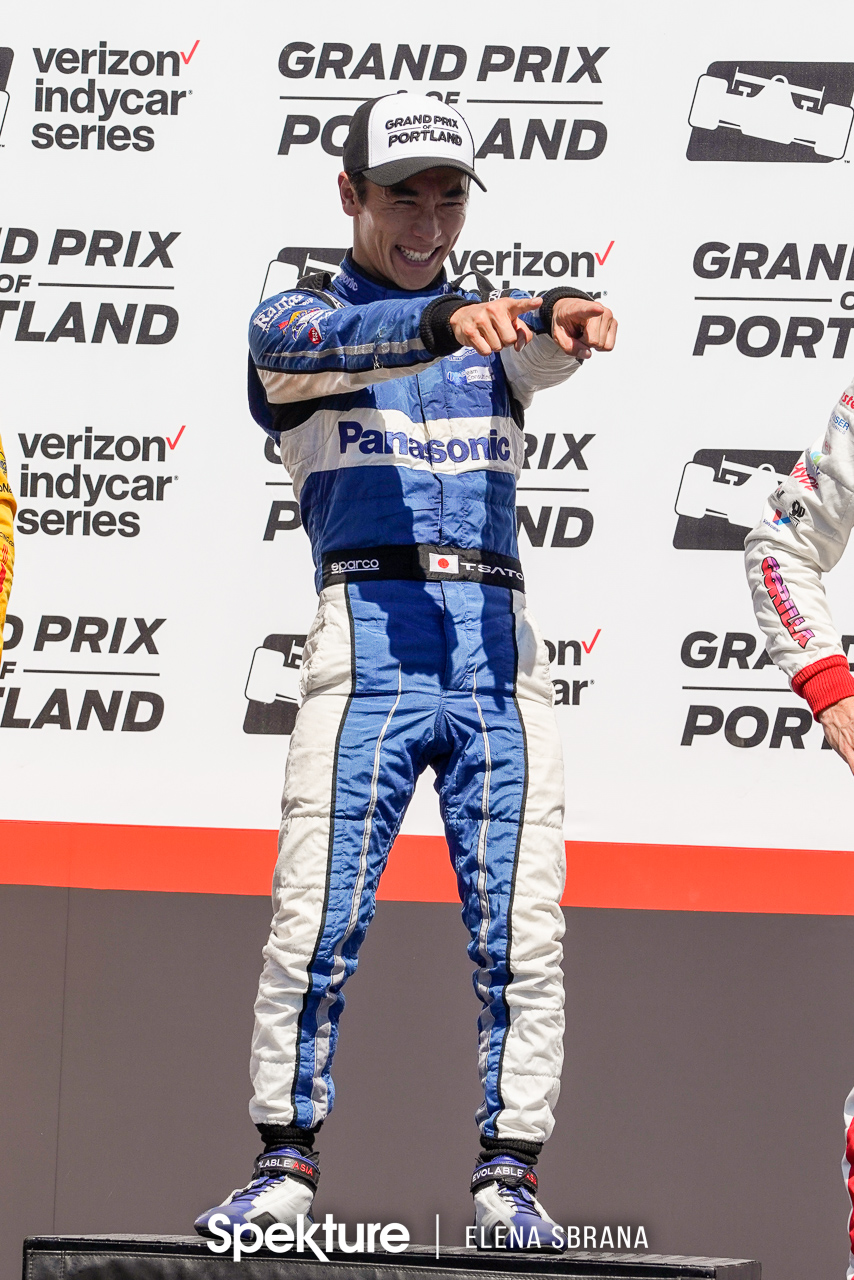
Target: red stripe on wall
(632, 876)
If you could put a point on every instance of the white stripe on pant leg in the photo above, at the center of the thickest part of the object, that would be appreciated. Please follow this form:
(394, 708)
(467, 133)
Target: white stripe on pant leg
(369, 819)
(482, 891)
(319, 1093)
(529, 1075)
(299, 883)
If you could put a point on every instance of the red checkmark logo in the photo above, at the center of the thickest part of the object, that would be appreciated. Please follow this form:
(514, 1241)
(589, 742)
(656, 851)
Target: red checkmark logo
(587, 647)
(601, 260)
(188, 56)
(172, 443)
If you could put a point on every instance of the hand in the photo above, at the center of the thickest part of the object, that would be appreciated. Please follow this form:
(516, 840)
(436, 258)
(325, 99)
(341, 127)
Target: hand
(580, 327)
(489, 326)
(838, 724)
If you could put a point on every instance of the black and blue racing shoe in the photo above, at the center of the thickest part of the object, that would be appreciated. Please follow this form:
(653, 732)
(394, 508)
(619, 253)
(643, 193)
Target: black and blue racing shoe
(282, 1188)
(508, 1214)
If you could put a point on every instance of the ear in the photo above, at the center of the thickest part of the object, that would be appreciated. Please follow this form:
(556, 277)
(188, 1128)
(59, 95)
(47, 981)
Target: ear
(349, 199)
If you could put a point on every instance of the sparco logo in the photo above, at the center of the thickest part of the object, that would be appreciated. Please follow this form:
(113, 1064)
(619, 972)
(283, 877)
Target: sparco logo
(100, 105)
(772, 111)
(722, 493)
(388, 68)
(353, 566)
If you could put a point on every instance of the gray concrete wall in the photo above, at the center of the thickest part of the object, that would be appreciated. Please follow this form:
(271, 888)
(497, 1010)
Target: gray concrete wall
(708, 1057)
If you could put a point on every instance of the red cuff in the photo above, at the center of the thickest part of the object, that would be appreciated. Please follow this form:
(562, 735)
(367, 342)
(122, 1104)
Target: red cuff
(824, 682)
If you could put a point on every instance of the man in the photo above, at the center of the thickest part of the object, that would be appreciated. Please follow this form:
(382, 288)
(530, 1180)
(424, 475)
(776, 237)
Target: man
(802, 534)
(7, 544)
(398, 403)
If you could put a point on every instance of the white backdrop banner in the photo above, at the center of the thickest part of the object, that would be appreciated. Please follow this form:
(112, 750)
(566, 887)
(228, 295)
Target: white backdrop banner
(165, 167)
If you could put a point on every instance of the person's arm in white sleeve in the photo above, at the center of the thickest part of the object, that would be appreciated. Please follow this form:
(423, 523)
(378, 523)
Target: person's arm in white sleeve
(803, 531)
(573, 324)
(538, 365)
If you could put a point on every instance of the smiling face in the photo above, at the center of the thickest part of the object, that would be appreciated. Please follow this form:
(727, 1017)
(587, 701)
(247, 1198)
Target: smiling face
(406, 232)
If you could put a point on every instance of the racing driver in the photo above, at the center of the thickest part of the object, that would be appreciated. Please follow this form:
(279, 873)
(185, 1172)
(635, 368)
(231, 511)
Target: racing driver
(803, 532)
(397, 400)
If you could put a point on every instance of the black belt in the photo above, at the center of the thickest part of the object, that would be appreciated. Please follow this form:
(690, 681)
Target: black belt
(422, 562)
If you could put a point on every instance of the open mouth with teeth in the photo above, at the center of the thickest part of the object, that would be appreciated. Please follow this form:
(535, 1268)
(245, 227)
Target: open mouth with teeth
(416, 258)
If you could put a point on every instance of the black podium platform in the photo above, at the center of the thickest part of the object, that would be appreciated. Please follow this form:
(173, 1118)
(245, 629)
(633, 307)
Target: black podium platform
(188, 1258)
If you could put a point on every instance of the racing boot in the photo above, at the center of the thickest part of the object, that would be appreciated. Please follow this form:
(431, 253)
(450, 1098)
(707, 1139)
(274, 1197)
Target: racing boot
(282, 1187)
(508, 1214)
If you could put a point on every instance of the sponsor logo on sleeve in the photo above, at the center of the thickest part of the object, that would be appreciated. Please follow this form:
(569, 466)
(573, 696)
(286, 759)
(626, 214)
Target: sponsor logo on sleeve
(778, 592)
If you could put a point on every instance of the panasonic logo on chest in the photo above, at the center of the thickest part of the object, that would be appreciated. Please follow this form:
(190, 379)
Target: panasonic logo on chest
(488, 448)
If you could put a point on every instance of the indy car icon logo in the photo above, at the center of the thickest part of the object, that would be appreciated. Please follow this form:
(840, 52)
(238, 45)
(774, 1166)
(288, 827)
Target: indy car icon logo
(772, 112)
(6, 56)
(291, 264)
(272, 688)
(722, 493)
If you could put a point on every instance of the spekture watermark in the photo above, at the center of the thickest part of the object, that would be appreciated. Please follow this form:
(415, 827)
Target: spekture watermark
(370, 1237)
(329, 1236)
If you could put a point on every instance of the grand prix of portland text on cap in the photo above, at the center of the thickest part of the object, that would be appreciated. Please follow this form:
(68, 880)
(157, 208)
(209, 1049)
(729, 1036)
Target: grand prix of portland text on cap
(393, 137)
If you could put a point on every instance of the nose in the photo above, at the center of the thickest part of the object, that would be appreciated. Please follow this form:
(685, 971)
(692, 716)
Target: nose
(426, 225)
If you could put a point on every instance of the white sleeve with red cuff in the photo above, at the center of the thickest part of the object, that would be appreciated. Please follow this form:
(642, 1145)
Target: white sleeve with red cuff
(802, 534)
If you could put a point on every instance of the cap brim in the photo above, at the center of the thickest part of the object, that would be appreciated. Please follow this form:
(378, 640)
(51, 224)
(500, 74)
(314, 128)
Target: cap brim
(386, 175)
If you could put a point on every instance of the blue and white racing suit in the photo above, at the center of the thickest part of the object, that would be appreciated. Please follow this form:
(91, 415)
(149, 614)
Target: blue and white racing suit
(404, 452)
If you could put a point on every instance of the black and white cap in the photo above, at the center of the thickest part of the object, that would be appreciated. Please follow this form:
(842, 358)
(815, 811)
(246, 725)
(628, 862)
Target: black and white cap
(393, 137)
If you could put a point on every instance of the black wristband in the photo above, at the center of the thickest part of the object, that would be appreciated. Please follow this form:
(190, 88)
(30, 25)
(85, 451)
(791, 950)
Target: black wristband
(551, 296)
(435, 330)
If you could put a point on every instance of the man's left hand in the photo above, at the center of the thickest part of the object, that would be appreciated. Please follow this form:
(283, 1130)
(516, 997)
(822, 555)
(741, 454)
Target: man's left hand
(580, 327)
(837, 721)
